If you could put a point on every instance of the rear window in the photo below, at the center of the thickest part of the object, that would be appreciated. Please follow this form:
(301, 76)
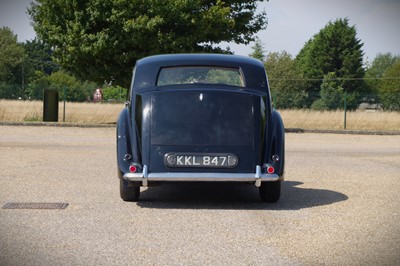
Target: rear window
(200, 74)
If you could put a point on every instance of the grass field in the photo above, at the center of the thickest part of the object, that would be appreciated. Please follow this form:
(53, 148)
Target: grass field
(32, 111)
(104, 113)
(355, 120)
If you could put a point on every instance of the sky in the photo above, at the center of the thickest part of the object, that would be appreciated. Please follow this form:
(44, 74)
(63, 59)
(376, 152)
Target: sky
(291, 23)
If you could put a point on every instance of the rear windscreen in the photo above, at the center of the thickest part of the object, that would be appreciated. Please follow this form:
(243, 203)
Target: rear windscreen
(202, 118)
(200, 74)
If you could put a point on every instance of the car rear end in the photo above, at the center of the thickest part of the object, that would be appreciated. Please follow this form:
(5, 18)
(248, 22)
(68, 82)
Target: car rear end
(202, 134)
(200, 123)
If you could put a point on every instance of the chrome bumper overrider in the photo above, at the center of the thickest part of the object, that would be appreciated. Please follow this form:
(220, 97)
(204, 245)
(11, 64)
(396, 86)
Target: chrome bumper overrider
(256, 177)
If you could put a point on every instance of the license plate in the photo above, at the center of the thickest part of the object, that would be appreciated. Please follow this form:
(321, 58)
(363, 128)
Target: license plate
(201, 160)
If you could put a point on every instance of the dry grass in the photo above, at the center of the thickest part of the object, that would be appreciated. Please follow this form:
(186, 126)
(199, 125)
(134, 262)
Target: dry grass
(96, 113)
(82, 113)
(356, 120)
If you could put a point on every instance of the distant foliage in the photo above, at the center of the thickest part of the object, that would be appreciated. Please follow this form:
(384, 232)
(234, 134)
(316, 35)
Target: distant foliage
(337, 49)
(12, 55)
(389, 87)
(67, 86)
(94, 41)
(375, 71)
(286, 81)
(38, 59)
(258, 50)
(332, 94)
(114, 94)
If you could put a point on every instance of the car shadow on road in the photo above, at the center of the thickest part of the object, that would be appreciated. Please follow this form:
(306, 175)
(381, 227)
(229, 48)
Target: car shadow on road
(234, 196)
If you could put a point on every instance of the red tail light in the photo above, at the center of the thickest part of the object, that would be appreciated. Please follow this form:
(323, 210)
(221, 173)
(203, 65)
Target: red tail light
(132, 169)
(270, 170)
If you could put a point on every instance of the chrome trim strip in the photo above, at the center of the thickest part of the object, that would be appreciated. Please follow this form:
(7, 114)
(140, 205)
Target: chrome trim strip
(145, 176)
(257, 177)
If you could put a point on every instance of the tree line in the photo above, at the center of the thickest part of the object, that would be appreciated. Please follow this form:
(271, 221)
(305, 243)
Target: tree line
(98, 41)
(29, 67)
(85, 45)
(329, 73)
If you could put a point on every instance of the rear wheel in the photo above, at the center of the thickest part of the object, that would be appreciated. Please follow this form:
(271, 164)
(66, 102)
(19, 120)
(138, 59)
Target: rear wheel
(270, 191)
(129, 191)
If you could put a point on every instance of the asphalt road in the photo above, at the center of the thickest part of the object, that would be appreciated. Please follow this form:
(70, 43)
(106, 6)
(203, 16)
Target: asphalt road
(340, 205)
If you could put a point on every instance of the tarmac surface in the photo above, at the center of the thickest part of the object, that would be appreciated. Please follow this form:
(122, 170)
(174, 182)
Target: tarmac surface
(340, 205)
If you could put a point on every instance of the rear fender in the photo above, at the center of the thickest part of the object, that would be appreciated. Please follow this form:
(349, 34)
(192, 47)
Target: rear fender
(127, 143)
(275, 143)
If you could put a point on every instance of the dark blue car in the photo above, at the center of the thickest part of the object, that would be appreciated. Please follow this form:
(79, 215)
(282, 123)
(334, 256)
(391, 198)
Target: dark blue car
(200, 117)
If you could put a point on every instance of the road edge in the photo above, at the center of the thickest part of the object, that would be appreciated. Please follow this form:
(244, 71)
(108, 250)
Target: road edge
(287, 130)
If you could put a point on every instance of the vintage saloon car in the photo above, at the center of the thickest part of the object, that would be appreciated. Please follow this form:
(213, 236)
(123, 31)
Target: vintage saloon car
(200, 117)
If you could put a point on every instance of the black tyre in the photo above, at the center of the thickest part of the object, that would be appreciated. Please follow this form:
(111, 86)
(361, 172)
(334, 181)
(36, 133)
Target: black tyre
(129, 191)
(270, 191)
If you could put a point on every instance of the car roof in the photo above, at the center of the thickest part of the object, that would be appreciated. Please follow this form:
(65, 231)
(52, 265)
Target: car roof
(147, 69)
(199, 59)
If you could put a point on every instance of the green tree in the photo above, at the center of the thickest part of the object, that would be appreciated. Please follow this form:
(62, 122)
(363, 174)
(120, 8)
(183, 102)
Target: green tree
(39, 57)
(36, 87)
(286, 81)
(11, 57)
(11, 54)
(63, 82)
(332, 94)
(337, 49)
(36, 63)
(377, 68)
(101, 40)
(116, 93)
(258, 50)
(389, 88)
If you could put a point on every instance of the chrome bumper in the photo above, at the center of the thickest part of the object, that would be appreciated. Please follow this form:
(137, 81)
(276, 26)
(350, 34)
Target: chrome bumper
(145, 177)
